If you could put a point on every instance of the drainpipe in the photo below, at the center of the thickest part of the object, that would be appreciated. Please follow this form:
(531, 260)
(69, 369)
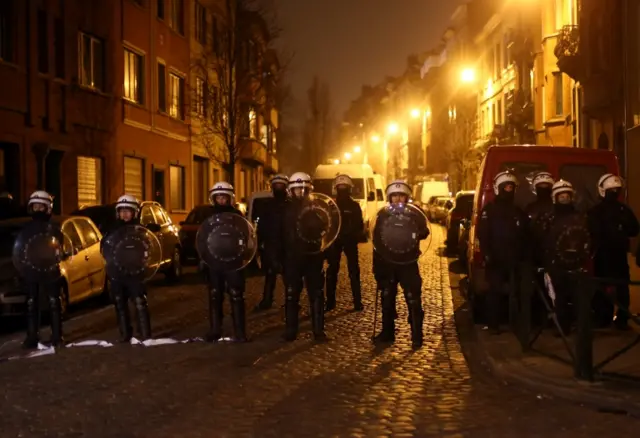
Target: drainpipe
(625, 86)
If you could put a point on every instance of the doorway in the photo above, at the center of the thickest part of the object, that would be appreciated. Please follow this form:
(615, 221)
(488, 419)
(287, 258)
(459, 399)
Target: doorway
(10, 169)
(53, 178)
(158, 186)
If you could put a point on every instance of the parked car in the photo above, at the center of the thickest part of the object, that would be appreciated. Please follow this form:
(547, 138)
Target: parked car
(188, 231)
(83, 272)
(156, 219)
(257, 203)
(581, 167)
(441, 209)
(462, 208)
(463, 241)
(434, 205)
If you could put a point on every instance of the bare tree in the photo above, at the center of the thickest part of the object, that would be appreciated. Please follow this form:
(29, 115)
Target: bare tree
(318, 127)
(236, 78)
(459, 137)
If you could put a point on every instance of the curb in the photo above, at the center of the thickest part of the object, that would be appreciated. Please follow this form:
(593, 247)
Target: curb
(579, 392)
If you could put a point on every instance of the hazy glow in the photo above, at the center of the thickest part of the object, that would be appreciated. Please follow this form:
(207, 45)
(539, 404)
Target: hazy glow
(375, 139)
(357, 149)
(468, 75)
(393, 128)
(415, 113)
(347, 155)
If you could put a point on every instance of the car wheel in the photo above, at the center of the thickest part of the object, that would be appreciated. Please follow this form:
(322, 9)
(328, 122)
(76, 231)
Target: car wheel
(174, 272)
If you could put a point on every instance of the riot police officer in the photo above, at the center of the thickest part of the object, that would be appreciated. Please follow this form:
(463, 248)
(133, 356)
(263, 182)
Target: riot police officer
(270, 237)
(351, 232)
(612, 223)
(300, 268)
(566, 247)
(128, 214)
(502, 232)
(407, 275)
(222, 197)
(40, 207)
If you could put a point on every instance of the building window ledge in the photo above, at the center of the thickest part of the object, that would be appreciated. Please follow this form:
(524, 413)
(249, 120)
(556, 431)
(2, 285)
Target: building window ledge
(555, 121)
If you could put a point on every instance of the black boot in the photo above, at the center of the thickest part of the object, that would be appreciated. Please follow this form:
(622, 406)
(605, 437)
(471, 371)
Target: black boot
(238, 315)
(356, 292)
(317, 316)
(269, 286)
(291, 310)
(144, 320)
(417, 318)
(215, 315)
(56, 321)
(388, 333)
(33, 319)
(123, 317)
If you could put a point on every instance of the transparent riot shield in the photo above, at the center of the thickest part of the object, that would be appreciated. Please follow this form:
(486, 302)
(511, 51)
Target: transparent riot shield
(132, 254)
(397, 232)
(38, 250)
(226, 242)
(318, 223)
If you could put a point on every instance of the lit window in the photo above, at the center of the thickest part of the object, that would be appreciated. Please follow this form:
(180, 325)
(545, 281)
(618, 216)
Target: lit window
(133, 74)
(199, 97)
(176, 96)
(253, 123)
(177, 182)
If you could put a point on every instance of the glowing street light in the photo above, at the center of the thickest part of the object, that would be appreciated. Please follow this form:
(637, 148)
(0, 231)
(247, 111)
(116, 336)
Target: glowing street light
(393, 128)
(336, 161)
(357, 149)
(375, 138)
(415, 113)
(347, 155)
(467, 75)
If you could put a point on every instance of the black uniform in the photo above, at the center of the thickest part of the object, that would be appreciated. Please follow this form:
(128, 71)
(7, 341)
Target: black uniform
(611, 224)
(122, 291)
(502, 234)
(303, 269)
(232, 282)
(34, 288)
(270, 237)
(567, 249)
(351, 232)
(539, 213)
(389, 275)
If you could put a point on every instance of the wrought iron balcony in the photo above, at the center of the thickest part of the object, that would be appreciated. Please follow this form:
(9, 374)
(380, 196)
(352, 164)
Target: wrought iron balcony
(567, 51)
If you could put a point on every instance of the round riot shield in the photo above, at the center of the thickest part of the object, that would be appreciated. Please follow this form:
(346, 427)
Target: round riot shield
(132, 253)
(226, 242)
(318, 223)
(398, 231)
(572, 244)
(38, 249)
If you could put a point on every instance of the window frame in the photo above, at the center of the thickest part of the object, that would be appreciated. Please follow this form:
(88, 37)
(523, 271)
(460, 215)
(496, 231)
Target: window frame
(139, 86)
(82, 80)
(161, 81)
(176, 106)
(558, 98)
(176, 17)
(182, 188)
(200, 100)
(200, 27)
(7, 33)
(142, 173)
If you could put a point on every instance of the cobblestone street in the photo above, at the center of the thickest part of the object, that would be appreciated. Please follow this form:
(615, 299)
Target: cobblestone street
(344, 388)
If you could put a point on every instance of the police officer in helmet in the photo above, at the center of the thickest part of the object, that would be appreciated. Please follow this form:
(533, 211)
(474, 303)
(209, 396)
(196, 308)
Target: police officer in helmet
(270, 236)
(612, 224)
(40, 207)
(351, 232)
(407, 275)
(128, 214)
(502, 230)
(302, 269)
(567, 248)
(222, 197)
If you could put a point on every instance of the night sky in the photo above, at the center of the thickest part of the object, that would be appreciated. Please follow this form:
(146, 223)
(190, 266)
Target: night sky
(349, 43)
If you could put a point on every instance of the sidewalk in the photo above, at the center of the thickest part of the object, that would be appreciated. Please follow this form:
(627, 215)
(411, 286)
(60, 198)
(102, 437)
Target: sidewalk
(545, 375)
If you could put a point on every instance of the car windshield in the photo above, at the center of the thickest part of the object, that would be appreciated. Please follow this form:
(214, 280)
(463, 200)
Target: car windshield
(8, 236)
(258, 207)
(325, 186)
(584, 178)
(199, 214)
(524, 171)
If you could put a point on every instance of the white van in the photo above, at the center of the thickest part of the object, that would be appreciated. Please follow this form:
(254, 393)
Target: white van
(364, 186)
(426, 190)
(381, 186)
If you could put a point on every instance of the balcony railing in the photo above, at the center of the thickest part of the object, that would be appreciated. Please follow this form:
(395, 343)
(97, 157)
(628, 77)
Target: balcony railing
(567, 51)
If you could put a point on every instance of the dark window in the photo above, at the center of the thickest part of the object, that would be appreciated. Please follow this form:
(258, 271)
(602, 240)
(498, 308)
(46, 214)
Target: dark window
(325, 186)
(162, 88)
(177, 16)
(199, 214)
(72, 233)
(201, 23)
(6, 31)
(43, 43)
(160, 9)
(559, 91)
(146, 216)
(91, 60)
(524, 171)
(58, 43)
(584, 178)
(380, 195)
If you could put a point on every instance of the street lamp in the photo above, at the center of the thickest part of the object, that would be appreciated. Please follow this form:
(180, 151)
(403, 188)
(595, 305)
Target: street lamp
(347, 155)
(393, 128)
(415, 113)
(375, 138)
(357, 149)
(336, 161)
(467, 75)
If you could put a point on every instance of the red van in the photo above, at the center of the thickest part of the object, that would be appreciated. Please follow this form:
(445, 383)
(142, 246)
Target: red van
(581, 167)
